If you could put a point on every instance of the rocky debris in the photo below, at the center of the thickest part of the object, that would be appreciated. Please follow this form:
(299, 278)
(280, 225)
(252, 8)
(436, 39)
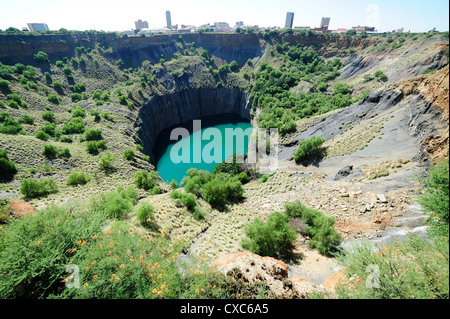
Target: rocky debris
(271, 271)
(331, 282)
(21, 208)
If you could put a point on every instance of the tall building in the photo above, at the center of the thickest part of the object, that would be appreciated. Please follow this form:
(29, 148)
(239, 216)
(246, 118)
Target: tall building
(325, 23)
(289, 20)
(141, 24)
(168, 20)
(37, 27)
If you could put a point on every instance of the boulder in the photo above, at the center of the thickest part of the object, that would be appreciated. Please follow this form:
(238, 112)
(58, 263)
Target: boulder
(271, 271)
(344, 172)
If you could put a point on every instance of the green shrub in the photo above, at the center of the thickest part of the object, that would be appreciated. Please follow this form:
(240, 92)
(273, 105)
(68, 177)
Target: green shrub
(139, 147)
(129, 154)
(36, 249)
(50, 151)
(92, 147)
(78, 178)
(67, 70)
(4, 84)
(33, 188)
(26, 119)
(53, 98)
(49, 128)
(48, 116)
(174, 184)
(416, 269)
(194, 181)
(145, 212)
(42, 136)
(115, 204)
(273, 238)
(58, 87)
(41, 57)
(310, 148)
(74, 126)
(105, 163)
(76, 97)
(435, 200)
(324, 236)
(185, 199)
(9, 125)
(59, 64)
(223, 189)
(13, 104)
(7, 167)
(93, 135)
(146, 180)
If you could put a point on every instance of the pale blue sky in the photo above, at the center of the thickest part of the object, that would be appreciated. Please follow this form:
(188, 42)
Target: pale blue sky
(115, 15)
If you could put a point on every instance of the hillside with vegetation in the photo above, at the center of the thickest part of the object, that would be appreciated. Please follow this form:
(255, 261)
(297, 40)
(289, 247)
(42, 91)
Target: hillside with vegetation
(80, 114)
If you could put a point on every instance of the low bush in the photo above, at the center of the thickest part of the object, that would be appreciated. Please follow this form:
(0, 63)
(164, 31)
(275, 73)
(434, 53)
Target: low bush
(186, 199)
(7, 167)
(146, 180)
(41, 58)
(50, 151)
(324, 236)
(26, 119)
(94, 147)
(74, 126)
(435, 200)
(53, 98)
(79, 112)
(78, 178)
(105, 163)
(93, 135)
(42, 136)
(9, 125)
(308, 149)
(129, 154)
(115, 204)
(273, 238)
(48, 116)
(33, 188)
(145, 213)
(223, 189)
(36, 249)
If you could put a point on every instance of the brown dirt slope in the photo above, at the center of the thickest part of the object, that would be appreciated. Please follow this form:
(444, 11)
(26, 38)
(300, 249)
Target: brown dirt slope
(434, 87)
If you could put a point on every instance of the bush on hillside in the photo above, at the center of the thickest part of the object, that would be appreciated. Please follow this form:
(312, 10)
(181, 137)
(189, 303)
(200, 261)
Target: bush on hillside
(273, 238)
(7, 167)
(146, 180)
(33, 188)
(115, 204)
(308, 149)
(145, 213)
(324, 236)
(78, 178)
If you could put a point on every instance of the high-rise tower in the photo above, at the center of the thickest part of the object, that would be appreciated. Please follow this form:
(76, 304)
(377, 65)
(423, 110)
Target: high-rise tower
(168, 20)
(289, 20)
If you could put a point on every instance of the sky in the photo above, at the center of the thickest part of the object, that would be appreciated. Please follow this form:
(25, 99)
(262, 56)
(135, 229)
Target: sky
(115, 15)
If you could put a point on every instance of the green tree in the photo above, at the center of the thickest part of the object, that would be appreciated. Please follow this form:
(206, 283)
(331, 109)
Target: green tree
(273, 238)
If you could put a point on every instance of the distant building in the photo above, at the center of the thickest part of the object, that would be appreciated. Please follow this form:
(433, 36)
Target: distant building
(240, 24)
(222, 26)
(400, 30)
(139, 24)
(325, 23)
(289, 20)
(302, 28)
(168, 20)
(363, 28)
(37, 27)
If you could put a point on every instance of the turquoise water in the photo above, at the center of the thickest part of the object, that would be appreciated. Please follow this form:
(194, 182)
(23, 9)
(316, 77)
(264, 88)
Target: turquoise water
(219, 137)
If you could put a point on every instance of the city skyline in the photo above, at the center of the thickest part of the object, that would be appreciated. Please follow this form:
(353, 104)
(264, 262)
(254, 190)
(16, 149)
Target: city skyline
(114, 15)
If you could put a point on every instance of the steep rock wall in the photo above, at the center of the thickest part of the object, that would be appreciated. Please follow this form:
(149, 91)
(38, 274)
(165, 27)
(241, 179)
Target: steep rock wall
(163, 112)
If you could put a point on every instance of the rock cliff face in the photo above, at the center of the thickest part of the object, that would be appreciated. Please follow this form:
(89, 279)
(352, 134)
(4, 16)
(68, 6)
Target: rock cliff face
(166, 111)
